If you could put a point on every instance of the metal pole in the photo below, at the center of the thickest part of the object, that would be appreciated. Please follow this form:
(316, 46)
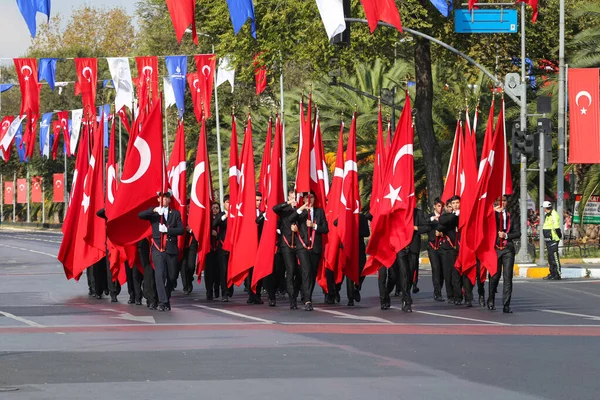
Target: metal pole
(1, 200)
(523, 255)
(542, 192)
(65, 189)
(560, 167)
(166, 135)
(27, 190)
(43, 204)
(219, 159)
(15, 198)
(283, 141)
(120, 153)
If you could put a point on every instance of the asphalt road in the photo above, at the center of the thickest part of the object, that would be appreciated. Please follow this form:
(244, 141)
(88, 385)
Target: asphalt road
(56, 343)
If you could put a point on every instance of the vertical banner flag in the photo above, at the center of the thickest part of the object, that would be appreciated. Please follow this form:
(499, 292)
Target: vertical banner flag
(19, 144)
(4, 128)
(29, 10)
(63, 120)
(332, 15)
(36, 189)
(45, 134)
(147, 78)
(381, 10)
(11, 133)
(205, 67)
(260, 74)
(226, 72)
(9, 198)
(87, 77)
(59, 188)
(177, 68)
(21, 191)
(194, 83)
(168, 94)
(183, 14)
(584, 115)
(76, 116)
(103, 114)
(240, 11)
(47, 71)
(121, 77)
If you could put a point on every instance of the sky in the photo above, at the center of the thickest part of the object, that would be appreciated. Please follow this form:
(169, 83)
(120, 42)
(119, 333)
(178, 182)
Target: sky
(14, 35)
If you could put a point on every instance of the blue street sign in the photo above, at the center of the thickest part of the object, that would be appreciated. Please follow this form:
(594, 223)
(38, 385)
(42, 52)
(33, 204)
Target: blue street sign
(485, 21)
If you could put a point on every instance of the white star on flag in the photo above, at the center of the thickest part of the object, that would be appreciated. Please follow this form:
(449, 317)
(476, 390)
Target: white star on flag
(393, 195)
(583, 111)
(86, 202)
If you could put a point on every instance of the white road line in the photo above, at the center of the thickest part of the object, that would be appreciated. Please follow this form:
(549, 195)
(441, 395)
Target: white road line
(32, 251)
(590, 317)
(235, 314)
(20, 319)
(340, 314)
(457, 317)
(560, 286)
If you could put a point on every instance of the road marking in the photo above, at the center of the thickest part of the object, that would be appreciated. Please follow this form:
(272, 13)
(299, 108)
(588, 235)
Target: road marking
(590, 317)
(235, 314)
(576, 290)
(148, 319)
(32, 251)
(20, 319)
(457, 317)
(339, 314)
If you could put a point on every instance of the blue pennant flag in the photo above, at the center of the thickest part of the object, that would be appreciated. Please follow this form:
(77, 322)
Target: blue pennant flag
(106, 114)
(29, 9)
(240, 11)
(443, 6)
(47, 71)
(5, 86)
(45, 131)
(20, 145)
(177, 67)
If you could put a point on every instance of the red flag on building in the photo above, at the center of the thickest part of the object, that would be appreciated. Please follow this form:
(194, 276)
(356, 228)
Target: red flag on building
(27, 73)
(87, 77)
(205, 68)
(58, 195)
(234, 180)
(147, 80)
(260, 74)
(263, 176)
(584, 115)
(319, 178)
(9, 195)
(304, 145)
(381, 10)
(177, 175)
(21, 191)
(263, 262)
(36, 189)
(183, 14)
(143, 175)
(245, 235)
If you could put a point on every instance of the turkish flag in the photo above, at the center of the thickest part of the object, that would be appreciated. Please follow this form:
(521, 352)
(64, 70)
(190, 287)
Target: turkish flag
(9, 188)
(147, 80)
(200, 200)
(381, 10)
(260, 75)
(59, 188)
(177, 176)
(111, 171)
(27, 73)
(453, 184)
(304, 145)
(584, 115)
(36, 189)
(87, 77)
(263, 176)
(183, 14)
(63, 118)
(378, 165)
(350, 208)
(4, 126)
(392, 226)
(56, 127)
(234, 180)
(263, 262)
(205, 68)
(245, 235)
(143, 175)
(21, 191)
(196, 93)
(319, 178)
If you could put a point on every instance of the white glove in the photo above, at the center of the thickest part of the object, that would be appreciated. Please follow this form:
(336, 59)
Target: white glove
(278, 232)
(223, 217)
(162, 228)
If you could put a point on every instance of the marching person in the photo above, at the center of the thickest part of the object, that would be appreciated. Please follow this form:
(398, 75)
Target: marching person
(311, 225)
(102, 273)
(149, 282)
(219, 225)
(188, 261)
(448, 226)
(420, 227)
(508, 230)
(212, 278)
(254, 297)
(353, 288)
(166, 226)
(433, 251)
(552, 236)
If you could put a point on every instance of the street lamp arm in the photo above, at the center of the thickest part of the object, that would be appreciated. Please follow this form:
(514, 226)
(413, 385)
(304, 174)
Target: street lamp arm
(365, 94)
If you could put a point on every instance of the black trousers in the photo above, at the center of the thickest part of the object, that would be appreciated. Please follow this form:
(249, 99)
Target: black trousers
(212, 276)
(332, 288)
(134, 282)
(165, 273)
(279, 271)
(468, 288)
(452, 277)
(291, 272)
(149, 282)
(480, 282)
(259, 284)
(403, 262)
(506, 263)
(223, 267)
(188, 266)
(309, 265)
(413, 261)
(351, 286)
(100, 276)
(553, 258)
(437, 272)
(385, 282)
(89, 274)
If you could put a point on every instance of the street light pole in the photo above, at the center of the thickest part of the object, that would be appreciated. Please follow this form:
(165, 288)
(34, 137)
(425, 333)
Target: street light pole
(560, 172)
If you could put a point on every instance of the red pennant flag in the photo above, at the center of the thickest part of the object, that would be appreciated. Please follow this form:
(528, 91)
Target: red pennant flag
(263, 262)
(143, 175)
(27, 73)
(263, 176)
(87, 77)
(245, 235)
(319, 178)
(234, 180)
(584, 115)
(9, 195)
(21, 191)
(392, 226)
(147, 80)
(183, 15)
(63, 118)
(378, 165)
(260, 75)
(196, 93)
(304, 145)
(200, 200)
(4, 125)
(453, 184)
(124, 119)
(56, 127)
(381, 10)
(177, 175)
(59, 188)
(36, 189)
(205, 67)
(532, 3)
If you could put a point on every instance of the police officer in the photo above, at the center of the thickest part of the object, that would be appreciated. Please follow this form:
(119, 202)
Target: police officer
(219, 225)
(552, 235)
(166, 226)
(434, 237)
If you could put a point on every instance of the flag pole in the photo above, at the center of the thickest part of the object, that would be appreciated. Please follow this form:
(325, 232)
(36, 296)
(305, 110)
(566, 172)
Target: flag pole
(120, 166)
(1, 200)
(66, 196)
(283, 141)
(166, 134)
(43, 203)
(27, 190)
(15, 198)
(219, 159)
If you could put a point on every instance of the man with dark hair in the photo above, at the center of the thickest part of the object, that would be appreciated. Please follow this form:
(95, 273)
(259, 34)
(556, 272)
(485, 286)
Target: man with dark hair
(433, 251)
(448, 226)
(219, 225)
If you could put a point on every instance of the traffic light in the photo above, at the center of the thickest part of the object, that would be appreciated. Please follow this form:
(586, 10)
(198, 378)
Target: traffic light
(518, 142)
(544, 127)
(529, 144)
(343, 39)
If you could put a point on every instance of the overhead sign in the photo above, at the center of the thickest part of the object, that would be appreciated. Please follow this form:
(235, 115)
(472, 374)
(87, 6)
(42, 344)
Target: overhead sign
(497, 20)
(591, 212)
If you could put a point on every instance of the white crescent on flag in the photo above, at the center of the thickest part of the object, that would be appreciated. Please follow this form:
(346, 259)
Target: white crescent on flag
(145, 158)
(198, 171)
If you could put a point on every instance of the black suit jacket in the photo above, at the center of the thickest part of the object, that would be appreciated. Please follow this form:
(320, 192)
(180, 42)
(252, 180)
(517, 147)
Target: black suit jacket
(422, 225)
(174, 227)
(448, 226)
(285, 212)
(514, 231)
(322, 227)
(220, 225)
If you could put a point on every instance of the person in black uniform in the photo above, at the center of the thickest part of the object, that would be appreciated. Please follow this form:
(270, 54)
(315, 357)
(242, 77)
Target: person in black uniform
(149, 282)
(212, 280)
(102, 273)
(421, 227)
(312, 224)
(508, 230)
(254, 297)
(219, 225)
(353, 288)
(287, 245)
(433, 251)
(448, 226)
(134, 284)
(166, 226)
(188, 261)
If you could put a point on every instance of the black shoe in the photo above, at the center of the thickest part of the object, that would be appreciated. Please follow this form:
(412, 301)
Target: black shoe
(153, 307)
(329, 299)
(131, 300)
(457, 302)
(168, 306)
(258, 300)
(98, 296)
(308, 306)
(407, 308)
(482, 301)
(91, 293)
(113, 299)
(385, 305)
(190, 289)
(337, 297)
(272, 303)
(397, 293)
(548, 277)
(225, 299)
(209, 298)
(293, 305)
(557, 277)
(451, 300)
(350, 303)
(356, 295)
(138, 302)
(415, 289)
(507, 310)
(438, 298)
(106, 292)
(160, 308)
(468, 303)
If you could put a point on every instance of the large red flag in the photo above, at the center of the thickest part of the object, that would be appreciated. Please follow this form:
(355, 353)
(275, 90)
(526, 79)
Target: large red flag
(452, 186)
(245, 235)
(200, 195)
(27, 73)
(381, 10)
(378, 165)
(263, 176)
(350, 208)
(143, 175)
(205, 67)
(392, 226)
(263, 262)
(177, 175)
(196, 93)
(9, 187)
(319, 178)
(87, 77)
(147, 79)
(183, 14)
(234, 180)
(584, 115)
(303, 167)
(22, 191)
(59, 188)
(36, 189)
